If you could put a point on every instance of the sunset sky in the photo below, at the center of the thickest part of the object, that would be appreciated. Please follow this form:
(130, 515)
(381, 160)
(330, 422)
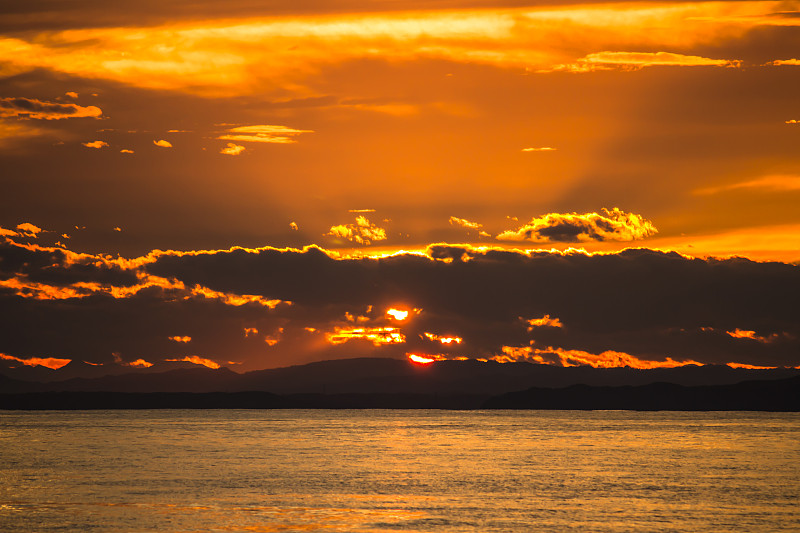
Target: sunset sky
(259, 184)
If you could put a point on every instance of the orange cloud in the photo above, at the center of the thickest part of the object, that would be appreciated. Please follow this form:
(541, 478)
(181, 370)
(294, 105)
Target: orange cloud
(49, 362)
(232, 149)
(293, 226)
(196, 360)
(541, 149)
(443, 340)
(607, 359)
(544, 321)
(29, 230)
(263, 134)
(362, 232)
(250, 331)
(184, 339)
(464, 223)
(636, 60)
(749, 334)
(95, 144)
(784, 62)
(26, 108)
(162, 143)
(125, 151)
(139, 363)
(245, 56)
(610, 225)
(750, 367)
(378, 335)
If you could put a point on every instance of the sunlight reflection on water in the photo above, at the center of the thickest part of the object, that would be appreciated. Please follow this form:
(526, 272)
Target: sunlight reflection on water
(377, 471)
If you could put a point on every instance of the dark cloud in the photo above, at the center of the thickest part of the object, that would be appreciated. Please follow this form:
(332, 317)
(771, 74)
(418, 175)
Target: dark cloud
(30, 108)
(648, 304)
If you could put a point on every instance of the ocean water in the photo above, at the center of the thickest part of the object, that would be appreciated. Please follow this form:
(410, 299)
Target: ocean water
(388, 471)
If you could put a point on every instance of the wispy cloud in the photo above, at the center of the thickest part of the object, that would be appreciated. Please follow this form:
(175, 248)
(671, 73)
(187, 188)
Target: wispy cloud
(232, 149)
(95, 144)
(636, 60)
(265, 133)
(540, 149)
(464, 223)
(162, 143)
(775, 183)
(27, 108)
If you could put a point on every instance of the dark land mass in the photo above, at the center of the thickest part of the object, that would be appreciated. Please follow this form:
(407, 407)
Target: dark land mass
(777, 395)
(765, 395)
(372, 376)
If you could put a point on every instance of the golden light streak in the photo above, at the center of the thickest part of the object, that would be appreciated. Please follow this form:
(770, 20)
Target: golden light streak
(541, 149)
(49, 362)
(197, 360)
(377, 335)
(177, 338)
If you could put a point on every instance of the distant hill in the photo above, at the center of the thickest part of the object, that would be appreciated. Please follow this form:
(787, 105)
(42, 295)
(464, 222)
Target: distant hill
(373, 376)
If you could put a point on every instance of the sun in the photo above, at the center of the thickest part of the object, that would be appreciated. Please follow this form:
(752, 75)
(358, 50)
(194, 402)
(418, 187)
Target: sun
(420, 359)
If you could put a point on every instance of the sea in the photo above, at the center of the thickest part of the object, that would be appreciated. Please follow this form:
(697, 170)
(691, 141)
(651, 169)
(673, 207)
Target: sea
(398, 470)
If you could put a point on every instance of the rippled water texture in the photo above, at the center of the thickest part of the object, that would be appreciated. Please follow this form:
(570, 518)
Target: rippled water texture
(370, 471)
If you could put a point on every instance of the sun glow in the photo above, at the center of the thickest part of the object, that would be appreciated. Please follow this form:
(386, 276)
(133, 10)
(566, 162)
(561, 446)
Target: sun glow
(420, 359)
(397, 314)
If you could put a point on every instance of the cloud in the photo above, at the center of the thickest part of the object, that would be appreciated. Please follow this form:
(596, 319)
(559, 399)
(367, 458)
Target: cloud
(464, 223)
(232, 149)
(126, 151)
(609, 225)
(250, 55)
(197, 360)
(49, 362)
(178, 338)
(542, 149)
(639, 307)
(362, 232)
(95, 144)
(775, 183)
(360, 210)
(637, 60)
(162, 143)
(72, 94)
(792, 121)
(29, 230)
(784, 62)
(263, 134)
(27, 108)
(293, 226)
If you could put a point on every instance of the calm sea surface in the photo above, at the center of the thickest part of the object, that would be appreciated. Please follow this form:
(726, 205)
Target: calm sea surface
(379, 471)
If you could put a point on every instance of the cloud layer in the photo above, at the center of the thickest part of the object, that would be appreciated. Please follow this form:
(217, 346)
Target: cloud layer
(271, 307)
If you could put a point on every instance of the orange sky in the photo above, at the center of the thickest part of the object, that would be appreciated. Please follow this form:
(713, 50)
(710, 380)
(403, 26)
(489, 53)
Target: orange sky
(365, 130)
